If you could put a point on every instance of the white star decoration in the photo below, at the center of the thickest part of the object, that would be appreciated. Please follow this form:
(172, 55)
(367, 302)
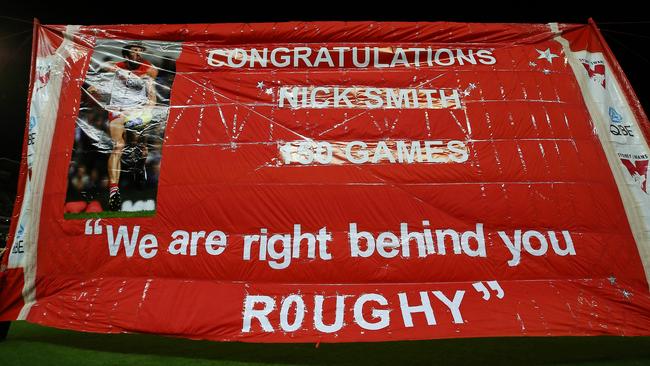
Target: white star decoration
(612, 279)
(546, 55)
(269, 91)
(260, 85)
(626, 294)
(532, 64)
(470, 87)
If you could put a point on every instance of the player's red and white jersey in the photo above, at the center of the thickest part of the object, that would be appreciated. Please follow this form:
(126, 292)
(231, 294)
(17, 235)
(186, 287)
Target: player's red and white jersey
(129, 87)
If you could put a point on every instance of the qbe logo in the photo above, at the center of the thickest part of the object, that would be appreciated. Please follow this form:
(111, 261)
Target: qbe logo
(19, 247)
(616, 126)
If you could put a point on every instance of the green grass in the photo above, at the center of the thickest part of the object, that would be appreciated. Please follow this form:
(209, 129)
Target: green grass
(107, 214)
(29, 344)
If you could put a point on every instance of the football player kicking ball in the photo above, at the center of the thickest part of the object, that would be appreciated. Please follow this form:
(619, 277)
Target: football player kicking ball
(133, 97)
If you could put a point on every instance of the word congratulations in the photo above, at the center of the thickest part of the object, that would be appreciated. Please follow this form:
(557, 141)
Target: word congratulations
(342, 57)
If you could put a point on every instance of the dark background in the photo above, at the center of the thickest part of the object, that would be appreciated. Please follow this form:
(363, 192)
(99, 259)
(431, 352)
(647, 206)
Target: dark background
(624, 26)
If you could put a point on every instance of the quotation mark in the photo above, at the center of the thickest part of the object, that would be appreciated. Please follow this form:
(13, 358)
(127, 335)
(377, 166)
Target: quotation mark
(93, 229)
(493, 285)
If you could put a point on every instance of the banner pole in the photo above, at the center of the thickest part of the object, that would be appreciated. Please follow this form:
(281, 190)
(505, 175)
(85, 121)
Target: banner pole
(4, 326)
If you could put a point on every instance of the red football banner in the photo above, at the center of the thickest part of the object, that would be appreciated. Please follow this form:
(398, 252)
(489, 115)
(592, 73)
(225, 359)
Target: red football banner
(335, 182)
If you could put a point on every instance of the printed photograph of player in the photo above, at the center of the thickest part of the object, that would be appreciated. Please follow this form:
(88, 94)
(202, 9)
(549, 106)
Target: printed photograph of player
(119, 132)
